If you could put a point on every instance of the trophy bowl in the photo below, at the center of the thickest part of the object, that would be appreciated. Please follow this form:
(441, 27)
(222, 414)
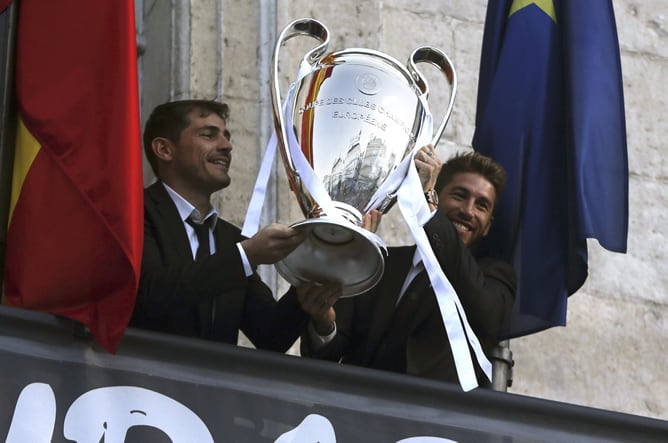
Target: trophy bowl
(348, 122)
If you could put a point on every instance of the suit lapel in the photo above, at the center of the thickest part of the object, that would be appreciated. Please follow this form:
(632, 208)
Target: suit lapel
(385, 297)
(170, 219)
(417, 303)
(179, 245)
(393, 328)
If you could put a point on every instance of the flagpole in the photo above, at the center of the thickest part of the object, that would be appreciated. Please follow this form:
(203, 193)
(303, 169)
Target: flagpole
(8, 22)
(502, 366)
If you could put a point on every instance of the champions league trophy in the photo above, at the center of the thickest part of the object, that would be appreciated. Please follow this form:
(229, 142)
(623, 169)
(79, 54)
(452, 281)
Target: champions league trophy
(347, 132)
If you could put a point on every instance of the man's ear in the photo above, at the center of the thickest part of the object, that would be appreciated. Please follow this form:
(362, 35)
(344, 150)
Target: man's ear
(163, 149)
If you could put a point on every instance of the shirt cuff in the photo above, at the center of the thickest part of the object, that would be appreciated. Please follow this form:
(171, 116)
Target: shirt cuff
(248, 269)
(318, 341)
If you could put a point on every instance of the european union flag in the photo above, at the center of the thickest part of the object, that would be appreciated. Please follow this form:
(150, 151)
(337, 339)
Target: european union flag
(551, 111)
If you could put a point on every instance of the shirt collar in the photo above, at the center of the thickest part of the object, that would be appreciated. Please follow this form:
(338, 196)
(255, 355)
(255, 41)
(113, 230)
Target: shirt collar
(186, 210)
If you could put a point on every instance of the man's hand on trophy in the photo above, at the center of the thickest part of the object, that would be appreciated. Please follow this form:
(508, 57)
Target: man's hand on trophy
(371, 220)
(272, 244)
(428, 165)
(317, 300)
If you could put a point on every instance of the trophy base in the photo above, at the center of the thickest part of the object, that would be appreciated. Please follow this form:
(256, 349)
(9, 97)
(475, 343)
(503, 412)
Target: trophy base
(334, 251)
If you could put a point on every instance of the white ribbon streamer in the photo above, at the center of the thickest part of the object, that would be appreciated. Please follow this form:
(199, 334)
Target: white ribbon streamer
(417, 213)
(300, 164)
(254, 211)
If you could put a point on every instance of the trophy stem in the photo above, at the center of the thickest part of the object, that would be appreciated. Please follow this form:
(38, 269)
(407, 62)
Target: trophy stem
(348, 212)
(335, 250)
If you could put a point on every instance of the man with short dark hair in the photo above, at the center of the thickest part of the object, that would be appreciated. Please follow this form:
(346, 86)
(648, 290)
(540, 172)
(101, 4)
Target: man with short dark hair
(198, 273)
(397, 326)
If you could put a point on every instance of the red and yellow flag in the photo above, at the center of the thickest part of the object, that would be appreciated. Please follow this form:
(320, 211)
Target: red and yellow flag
(75, 231)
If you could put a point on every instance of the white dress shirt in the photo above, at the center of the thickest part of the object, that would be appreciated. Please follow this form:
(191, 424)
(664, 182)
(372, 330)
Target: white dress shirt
(188, 211)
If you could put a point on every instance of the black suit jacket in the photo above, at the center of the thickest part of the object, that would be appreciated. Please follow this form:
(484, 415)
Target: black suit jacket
(176, 294)
(373, 331)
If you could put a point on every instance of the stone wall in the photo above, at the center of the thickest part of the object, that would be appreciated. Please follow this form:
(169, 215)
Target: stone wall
(613, 352)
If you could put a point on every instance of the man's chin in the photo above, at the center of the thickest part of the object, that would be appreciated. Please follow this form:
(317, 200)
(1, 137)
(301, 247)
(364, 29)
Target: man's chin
(472, 242)
(220, 184)
(467, 239)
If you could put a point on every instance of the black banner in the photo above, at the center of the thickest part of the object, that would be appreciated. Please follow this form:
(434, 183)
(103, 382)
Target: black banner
(57, 387)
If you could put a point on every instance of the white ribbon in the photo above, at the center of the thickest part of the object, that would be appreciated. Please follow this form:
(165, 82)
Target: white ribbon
(304, 170)
(417, 213)
(254, 212)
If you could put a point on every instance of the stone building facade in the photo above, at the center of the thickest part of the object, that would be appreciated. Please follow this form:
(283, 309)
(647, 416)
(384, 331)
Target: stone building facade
(613, 351)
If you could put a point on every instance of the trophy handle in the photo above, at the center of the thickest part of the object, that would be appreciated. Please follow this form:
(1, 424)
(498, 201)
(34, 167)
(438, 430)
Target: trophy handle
(437, 58)
(311, 28)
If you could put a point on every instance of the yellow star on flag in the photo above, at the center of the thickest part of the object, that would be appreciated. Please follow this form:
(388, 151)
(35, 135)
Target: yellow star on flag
(547, 6)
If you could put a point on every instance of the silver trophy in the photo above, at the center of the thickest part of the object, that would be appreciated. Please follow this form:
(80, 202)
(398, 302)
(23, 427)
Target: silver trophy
(343, 131)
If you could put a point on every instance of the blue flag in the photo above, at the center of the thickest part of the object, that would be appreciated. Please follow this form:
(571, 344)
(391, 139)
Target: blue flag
(551, 111)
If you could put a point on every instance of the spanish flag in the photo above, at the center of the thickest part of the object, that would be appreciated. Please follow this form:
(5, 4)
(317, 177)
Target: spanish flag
(75, 230)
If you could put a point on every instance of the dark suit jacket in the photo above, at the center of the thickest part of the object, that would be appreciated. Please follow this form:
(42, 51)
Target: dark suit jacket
(374, 332)
(176, 294)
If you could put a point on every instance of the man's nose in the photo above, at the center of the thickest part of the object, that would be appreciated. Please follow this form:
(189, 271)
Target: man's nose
(467, 208)
(225, 144)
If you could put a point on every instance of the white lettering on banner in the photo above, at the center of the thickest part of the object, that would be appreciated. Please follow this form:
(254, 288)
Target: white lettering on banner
(317, 429)
(426, 440)
(127, 406)
(103, 414)
(106, 414)
(34, 416)
(313, 429)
